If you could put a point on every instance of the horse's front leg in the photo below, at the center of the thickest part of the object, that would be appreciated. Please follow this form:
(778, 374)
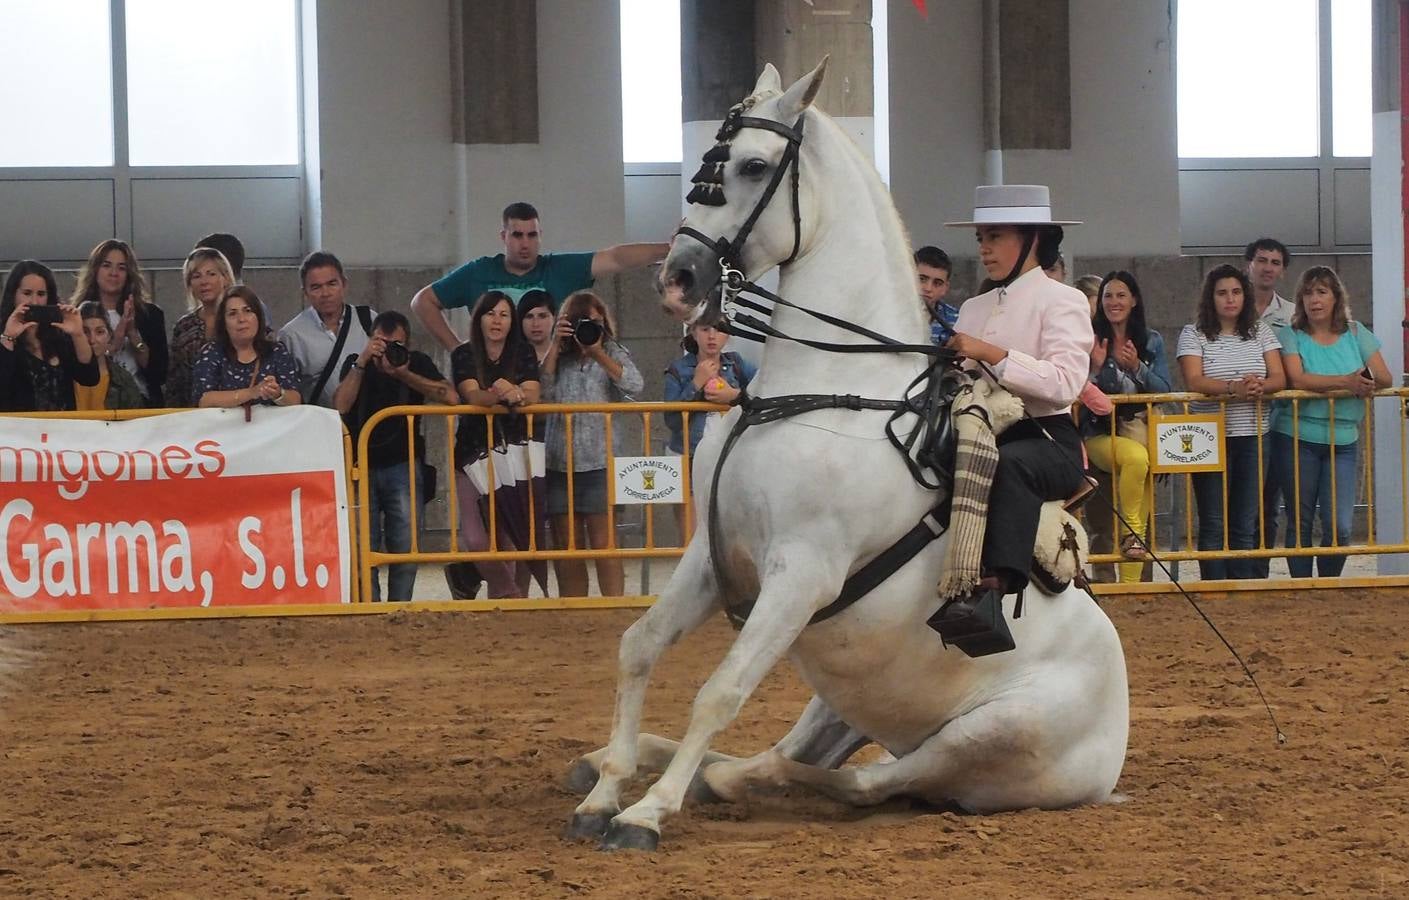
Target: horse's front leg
(786, 601)
(687, 601)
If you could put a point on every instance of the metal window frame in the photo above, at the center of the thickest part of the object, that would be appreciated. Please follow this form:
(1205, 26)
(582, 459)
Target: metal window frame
(1325, 162)
(122, 174)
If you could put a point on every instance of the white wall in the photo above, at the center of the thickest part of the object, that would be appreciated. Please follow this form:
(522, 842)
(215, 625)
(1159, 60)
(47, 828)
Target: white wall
(384, 131)
(1121, 175)
(574, 174)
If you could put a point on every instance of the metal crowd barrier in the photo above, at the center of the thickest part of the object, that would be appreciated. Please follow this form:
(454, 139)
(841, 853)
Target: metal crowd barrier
(537, 548)
(1176, 541)
(1171, 526)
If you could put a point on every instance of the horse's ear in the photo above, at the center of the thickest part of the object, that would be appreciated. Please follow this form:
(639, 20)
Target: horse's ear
(803, 92)
(768, 80)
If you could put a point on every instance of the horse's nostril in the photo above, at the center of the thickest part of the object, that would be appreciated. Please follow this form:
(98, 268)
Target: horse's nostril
(681, 278)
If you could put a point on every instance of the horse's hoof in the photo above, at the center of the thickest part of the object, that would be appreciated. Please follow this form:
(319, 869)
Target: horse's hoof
(587, 826)
(582, 777)
(622, 836)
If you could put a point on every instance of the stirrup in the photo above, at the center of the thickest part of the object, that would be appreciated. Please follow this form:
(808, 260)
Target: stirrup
(982, 630)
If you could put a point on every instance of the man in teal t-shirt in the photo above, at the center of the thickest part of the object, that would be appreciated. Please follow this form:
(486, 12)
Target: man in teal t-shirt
(522, 268)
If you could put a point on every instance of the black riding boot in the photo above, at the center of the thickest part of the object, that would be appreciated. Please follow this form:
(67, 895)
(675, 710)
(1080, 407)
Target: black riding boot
(976, 624)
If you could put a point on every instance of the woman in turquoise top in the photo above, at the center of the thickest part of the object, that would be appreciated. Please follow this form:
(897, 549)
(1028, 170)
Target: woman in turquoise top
(1324, 350)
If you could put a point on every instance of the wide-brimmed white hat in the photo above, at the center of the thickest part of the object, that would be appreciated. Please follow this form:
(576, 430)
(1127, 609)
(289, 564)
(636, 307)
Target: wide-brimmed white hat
(1011, 204)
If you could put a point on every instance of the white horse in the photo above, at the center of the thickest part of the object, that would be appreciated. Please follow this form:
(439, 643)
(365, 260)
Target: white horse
(805, 502)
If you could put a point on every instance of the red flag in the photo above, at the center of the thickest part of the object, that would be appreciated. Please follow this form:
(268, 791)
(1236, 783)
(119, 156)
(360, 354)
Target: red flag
(920, 5)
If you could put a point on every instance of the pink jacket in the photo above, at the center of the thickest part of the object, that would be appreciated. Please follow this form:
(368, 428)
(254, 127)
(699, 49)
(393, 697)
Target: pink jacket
(1046, 328)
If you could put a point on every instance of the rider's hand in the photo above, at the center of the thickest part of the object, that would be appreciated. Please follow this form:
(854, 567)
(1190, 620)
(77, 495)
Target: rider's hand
(970, 347)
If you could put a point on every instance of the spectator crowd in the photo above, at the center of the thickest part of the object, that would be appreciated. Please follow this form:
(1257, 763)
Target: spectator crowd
(538, 333)
(1289, 464)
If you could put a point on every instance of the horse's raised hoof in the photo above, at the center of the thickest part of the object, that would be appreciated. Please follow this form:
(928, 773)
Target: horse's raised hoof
(587, 826)
(621, 836)
(582, 777)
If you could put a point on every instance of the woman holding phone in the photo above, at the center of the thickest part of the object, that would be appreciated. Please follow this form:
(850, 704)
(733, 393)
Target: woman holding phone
(1315, 442)
(43, 351)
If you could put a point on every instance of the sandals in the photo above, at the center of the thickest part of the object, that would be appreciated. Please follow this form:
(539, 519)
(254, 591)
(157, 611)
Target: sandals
(1133, 549)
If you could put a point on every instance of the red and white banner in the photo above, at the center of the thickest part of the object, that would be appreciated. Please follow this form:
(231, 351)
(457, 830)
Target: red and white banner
(199, 508)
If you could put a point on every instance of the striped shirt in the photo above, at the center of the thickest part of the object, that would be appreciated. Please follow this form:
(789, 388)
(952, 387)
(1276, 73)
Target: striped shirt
(1228, 358)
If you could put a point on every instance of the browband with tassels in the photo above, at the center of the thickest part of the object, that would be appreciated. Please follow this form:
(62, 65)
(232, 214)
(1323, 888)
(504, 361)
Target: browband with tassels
(708, 182)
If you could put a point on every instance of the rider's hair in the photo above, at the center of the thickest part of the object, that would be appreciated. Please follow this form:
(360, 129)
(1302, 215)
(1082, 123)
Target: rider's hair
(1049, 244)
(935, 258)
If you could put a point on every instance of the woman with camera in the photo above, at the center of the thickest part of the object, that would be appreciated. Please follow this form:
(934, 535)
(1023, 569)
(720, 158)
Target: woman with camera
(43, 352)
(584, 365)
(112, 277)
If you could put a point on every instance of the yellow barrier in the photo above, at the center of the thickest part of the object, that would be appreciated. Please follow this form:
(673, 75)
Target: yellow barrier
(1171, 548)
(536, 418)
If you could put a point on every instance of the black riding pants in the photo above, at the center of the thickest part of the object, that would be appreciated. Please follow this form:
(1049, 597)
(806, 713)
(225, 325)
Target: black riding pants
(1031, 471)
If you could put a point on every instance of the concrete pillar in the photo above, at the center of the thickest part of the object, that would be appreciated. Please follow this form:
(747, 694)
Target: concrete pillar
(724, 44)
(795, 36)
(494, 69)
(1387, 247)
(1035, 74)
(717, 69)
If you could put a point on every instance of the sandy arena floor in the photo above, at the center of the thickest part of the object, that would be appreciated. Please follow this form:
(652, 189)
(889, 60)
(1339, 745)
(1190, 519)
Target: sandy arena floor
(422, 755)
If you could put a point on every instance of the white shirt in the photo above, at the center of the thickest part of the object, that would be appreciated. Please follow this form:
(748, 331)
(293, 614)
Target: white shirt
(1046, 328)
(311, 344)
(1279, 311)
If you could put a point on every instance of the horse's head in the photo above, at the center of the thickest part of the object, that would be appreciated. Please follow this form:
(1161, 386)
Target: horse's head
(745, 206)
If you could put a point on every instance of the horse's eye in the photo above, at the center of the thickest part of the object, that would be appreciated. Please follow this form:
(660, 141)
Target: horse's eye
(754, 168)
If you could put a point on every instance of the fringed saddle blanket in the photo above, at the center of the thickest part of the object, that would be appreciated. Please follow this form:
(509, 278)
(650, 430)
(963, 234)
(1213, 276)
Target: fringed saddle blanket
(980, 413)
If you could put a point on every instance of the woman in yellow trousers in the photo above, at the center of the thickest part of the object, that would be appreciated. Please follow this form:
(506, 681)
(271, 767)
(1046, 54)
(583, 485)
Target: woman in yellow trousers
(1128, 358)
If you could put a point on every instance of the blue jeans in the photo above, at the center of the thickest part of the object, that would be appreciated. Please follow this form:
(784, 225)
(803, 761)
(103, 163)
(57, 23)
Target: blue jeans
(1274, 499)
(391, 501)
(1337, 511)
(1244, 500)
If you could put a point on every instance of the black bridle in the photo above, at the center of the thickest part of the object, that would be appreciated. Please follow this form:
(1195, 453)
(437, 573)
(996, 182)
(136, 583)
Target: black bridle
(708, 182)
(924, 397)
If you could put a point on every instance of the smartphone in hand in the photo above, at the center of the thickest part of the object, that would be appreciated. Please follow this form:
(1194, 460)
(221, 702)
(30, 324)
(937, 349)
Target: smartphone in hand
(50, 315)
